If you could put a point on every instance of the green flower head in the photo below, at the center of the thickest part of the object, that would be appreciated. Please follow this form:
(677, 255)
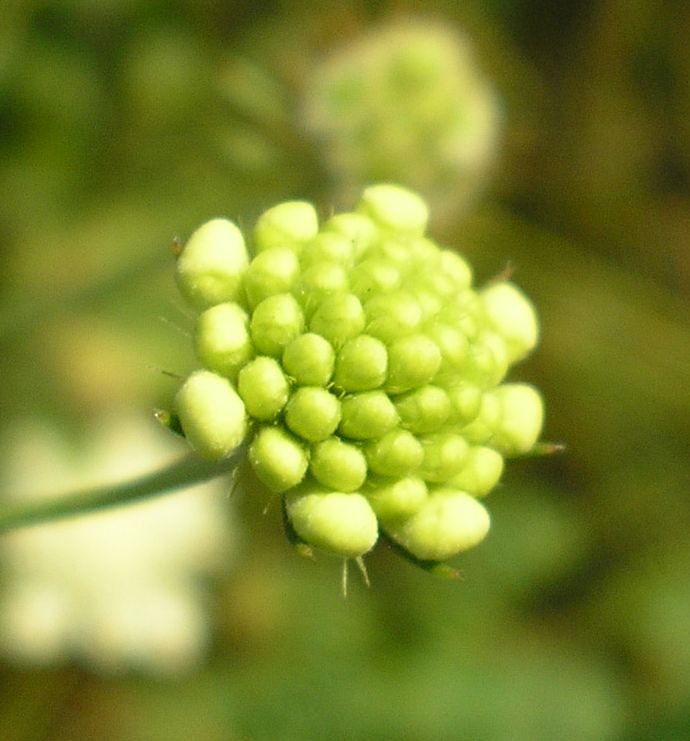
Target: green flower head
(363, 371)
(404, 101)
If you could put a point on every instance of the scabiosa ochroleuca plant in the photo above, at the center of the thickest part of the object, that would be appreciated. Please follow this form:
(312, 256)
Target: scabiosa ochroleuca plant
(364, 370)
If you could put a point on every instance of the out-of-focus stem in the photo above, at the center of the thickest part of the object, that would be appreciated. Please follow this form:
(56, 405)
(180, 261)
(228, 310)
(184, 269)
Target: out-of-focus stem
(186, 472)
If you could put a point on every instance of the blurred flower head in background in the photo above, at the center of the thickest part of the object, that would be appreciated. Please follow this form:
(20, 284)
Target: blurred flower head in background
(405, 102)
(119, 590)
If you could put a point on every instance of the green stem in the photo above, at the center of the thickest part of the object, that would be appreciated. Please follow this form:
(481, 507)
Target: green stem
(186, 472)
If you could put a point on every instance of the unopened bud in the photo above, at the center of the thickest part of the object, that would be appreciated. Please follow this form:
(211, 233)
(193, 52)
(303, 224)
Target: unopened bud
(336, 522)
(210, 267)
(289, 224)
(211, 414)
(278, 459)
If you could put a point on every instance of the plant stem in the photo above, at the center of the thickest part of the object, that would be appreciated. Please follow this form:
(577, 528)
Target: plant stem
(186, 472)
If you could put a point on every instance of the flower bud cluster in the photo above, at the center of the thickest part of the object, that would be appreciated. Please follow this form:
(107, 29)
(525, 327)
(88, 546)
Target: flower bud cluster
(363, 367)
(405, 101)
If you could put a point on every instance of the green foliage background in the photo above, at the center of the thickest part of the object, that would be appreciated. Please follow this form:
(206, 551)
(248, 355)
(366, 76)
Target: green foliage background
(125, 122)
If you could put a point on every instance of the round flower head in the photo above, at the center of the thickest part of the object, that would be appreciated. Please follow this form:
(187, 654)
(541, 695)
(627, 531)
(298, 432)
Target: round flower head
(367, 374)
(405, 102)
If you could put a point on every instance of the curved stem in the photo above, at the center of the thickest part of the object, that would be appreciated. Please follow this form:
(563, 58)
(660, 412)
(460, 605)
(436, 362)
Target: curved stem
(186, 472)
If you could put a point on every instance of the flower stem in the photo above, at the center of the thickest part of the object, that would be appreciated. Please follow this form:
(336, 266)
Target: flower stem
(186, 472)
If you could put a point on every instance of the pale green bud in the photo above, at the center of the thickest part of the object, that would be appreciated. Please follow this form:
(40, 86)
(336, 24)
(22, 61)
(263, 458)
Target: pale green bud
(423, 253)
(359, 229)
(278, 459)
(520, 418)
(444, 456)
(398, 498)
(392, 315)
(361, 364)
(330, 247)
(309, 359)
(429, 302)
(210, 267)
(395, 250)
(374, 276)
(423, 410)
(456, 268)
(449, 522)
(271, 272)
(412, 361)
(481, 429)
(439, 283)
(333, 521)
(511, 314)
(338, 465)
(396, 454)
(338, 319)
(368, 415)
(480, 472)
(312, 413)
(222, 339)
(452, 343)
(487, 360)
(263, 387)
(211, 414)
(465, 402)
(290, 224)
(320, 280)
(275, 322)
(394, 208)
(463, 310)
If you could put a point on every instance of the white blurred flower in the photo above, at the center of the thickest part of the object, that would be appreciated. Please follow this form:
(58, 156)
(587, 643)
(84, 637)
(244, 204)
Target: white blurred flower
(121, 589)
